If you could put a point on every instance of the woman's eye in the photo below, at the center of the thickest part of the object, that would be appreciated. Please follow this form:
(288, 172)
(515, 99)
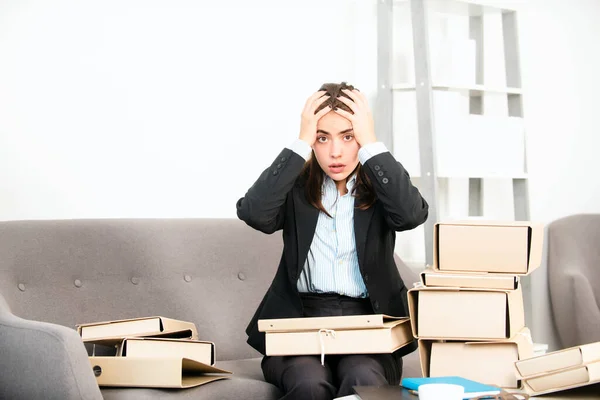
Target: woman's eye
(348, 137)
(322, 139)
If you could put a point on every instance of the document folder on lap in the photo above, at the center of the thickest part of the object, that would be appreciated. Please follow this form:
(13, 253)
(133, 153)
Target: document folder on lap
(353, 334)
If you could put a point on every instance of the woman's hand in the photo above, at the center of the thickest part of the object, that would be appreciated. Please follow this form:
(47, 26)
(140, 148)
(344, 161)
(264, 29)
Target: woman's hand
(362, 119)
(308, 121)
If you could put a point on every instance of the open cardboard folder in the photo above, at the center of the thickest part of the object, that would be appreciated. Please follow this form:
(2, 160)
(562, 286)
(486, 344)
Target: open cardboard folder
(112, 332)
(487, 246)
(558, 360)
(564, 379)
(488, 362)
(353, 334)
(157, 372)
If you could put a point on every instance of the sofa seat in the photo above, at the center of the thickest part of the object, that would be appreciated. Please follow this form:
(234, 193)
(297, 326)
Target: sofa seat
(247, 382)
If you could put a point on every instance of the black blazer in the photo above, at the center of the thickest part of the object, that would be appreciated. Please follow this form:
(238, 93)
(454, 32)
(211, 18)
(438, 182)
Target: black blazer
(277, 201)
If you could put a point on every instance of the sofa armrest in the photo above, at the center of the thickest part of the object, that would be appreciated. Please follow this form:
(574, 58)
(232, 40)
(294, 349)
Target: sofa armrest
(42, 361)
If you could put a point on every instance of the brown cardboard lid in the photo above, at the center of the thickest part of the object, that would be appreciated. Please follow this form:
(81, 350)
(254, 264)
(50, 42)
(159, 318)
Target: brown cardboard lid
(421, 287)
(335, 322)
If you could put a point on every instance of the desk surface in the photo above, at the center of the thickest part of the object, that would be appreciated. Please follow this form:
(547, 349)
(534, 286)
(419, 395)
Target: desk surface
(590, 392)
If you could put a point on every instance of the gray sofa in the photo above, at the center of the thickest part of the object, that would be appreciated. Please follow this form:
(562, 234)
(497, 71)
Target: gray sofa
(574, 278)
(56, 274)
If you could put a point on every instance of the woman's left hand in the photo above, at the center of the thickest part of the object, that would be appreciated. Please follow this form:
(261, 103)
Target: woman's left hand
(362, 119)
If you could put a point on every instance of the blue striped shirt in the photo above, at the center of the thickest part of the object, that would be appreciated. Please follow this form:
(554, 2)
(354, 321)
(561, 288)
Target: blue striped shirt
(332, 263)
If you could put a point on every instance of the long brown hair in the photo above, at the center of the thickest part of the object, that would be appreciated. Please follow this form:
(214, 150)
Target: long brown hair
(312, 171)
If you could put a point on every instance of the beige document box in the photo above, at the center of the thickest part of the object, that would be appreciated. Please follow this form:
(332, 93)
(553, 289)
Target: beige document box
(465, 313)
(487, 362)
(163, 372)
(469, 280)
(487, 246)
(196, 350)
(148, 326)
(558, 360)
(353, 334)
(563, 379)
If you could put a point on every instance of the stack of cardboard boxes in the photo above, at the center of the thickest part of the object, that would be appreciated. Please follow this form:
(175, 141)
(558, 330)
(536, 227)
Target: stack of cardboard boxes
(468, 311)
(150, 352)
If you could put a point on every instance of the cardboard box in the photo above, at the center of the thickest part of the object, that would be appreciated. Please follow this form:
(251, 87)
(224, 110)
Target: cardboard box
(354, 334)
(163, 372)
(563, 380)
(469, 280)
(487, 362)
(558, 360)
(115, 331)
(487, 246)
(196, 350)
(465, 313)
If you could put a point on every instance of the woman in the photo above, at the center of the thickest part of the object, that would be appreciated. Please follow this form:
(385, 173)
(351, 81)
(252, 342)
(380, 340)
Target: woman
(339, 196)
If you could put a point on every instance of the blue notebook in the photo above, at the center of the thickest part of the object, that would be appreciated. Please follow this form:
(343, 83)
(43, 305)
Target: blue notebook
(472, 388)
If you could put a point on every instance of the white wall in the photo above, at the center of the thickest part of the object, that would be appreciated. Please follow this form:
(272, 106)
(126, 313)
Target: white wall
(159, 108)
(561, 59)
(141, 108)
(561, 63)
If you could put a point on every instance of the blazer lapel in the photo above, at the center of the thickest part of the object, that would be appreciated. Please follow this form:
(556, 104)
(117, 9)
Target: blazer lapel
(306, 224)
(362, 218)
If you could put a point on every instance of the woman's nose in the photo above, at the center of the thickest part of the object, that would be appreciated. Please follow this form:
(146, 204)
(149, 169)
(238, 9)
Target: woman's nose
(336, 149)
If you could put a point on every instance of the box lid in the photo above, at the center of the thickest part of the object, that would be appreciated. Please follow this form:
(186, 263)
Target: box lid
(337, 323)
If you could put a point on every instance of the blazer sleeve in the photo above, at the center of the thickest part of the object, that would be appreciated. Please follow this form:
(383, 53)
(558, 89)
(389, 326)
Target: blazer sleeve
(263, 206)
(404, 206)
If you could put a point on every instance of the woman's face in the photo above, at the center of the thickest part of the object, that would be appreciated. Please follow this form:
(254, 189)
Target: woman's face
(335, 148)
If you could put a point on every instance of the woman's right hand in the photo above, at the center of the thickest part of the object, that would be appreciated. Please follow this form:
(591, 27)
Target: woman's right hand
(308, 122)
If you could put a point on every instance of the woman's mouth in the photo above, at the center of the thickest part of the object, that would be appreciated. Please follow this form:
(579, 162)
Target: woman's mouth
(336, 168)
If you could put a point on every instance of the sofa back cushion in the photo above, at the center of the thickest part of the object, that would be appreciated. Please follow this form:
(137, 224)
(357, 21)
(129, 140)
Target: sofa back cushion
(212, 272)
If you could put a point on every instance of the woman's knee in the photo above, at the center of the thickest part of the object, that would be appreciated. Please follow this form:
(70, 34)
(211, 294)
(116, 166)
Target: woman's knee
(311, 388)
(361, 370)
(300, 377)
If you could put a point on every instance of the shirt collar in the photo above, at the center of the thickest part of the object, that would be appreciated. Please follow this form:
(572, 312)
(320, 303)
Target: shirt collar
(349, 182)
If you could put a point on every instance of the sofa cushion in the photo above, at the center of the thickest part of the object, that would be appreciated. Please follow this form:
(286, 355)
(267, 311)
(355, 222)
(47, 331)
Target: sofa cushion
(411, 367)
(246, 368)
(236, 387)
(213, 272)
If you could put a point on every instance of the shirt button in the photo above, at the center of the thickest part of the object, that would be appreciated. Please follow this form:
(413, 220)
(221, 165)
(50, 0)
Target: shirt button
(340, 262)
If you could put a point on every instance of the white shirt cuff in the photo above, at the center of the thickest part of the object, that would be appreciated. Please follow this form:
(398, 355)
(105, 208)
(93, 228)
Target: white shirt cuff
(370, 150)
(301, 148)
